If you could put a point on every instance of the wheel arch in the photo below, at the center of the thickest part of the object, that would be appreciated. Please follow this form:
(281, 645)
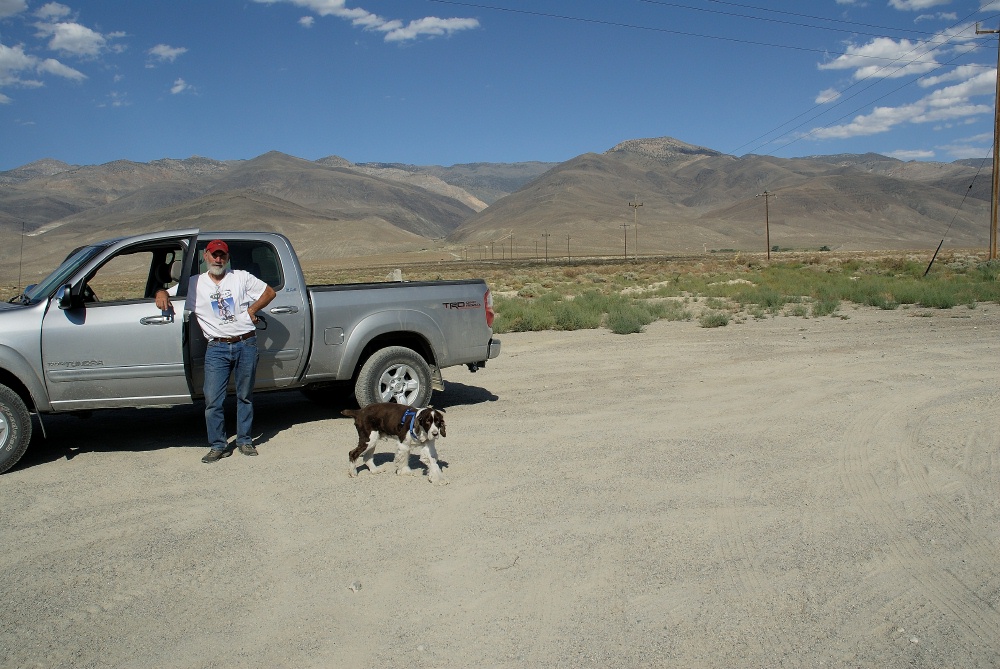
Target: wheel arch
(15, 384)
(410, 340)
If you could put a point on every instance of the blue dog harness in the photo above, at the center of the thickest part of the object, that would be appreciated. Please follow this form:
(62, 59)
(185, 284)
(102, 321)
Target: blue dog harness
(412, 415)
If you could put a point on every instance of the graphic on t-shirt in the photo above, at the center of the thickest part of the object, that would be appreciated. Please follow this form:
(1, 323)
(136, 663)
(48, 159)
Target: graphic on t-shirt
(224, 306)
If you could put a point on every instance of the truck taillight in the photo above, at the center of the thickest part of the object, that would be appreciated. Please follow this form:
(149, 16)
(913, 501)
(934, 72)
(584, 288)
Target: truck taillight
(488, 301)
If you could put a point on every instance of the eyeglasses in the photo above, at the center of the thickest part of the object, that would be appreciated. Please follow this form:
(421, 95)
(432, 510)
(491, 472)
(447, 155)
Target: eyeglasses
(220, 254)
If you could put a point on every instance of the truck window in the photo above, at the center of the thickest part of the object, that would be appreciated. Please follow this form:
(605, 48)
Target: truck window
(257, 257)
(133, 275)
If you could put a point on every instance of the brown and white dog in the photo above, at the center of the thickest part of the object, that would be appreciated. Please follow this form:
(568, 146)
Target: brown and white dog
(416, 430)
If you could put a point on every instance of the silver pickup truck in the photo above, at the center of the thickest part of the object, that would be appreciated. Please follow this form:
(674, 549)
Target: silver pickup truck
(89, 336)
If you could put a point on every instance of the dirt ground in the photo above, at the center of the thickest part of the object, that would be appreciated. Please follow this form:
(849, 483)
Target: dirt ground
(788, 492)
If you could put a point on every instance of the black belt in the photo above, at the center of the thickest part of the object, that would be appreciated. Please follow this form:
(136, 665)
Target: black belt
(233, 340)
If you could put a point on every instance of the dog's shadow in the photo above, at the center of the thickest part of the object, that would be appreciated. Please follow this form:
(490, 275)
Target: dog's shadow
(385, 459)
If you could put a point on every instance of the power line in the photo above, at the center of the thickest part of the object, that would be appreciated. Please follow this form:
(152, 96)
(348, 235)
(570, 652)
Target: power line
(784, 22)
(633, 26)
(931, 46)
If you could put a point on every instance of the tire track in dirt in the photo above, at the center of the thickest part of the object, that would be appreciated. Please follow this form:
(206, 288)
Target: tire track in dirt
(863, 457)
(749, 583)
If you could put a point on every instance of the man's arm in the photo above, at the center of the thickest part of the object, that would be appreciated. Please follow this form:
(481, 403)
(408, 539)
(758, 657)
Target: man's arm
(261, 302)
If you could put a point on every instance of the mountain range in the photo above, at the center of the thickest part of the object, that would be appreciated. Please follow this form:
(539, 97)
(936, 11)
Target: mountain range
(683, 198)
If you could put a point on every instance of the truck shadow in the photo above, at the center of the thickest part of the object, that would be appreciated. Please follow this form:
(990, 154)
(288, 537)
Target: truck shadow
(142, 430)
(458, 394)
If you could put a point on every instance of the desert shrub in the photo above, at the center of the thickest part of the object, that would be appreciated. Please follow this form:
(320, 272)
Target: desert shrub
(673, 311)
(631, 316)
(713, 319)
(825, 306)
(521, 315)
(799, 309)
(585, 312)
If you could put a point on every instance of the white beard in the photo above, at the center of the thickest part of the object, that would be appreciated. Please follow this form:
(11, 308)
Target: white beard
(216, 271)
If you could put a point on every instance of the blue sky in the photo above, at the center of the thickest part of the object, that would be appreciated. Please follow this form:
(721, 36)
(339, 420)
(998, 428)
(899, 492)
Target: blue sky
(430, 82)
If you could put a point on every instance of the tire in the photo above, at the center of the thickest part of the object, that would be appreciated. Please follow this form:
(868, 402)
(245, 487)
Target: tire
(394, 374)
(15, 428)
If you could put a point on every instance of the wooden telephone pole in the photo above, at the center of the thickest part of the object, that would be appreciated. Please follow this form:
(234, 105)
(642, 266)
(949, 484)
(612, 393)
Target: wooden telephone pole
(767, 223)
(635, 223)
(996, 150)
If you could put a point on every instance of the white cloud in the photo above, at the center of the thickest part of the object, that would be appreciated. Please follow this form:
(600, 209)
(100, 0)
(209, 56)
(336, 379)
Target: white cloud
(885, 57)
(4, 100)
(179, 86)
(916, 5)
(394, 29)
(978, 146)
(9, 8)
(116, 99)
(827, 96)
(53, 66)
(73, 38)
(911, 154)
(949, 103)
(13, 62)
(307, 21)
(939, 16)
(430, 26)
(52, 10)
(166, 53)
(960, 73)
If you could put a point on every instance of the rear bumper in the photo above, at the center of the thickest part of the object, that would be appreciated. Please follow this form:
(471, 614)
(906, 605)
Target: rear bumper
(494, 348)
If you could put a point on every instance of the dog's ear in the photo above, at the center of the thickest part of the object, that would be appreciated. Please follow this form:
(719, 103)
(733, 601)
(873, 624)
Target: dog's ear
(443, 433)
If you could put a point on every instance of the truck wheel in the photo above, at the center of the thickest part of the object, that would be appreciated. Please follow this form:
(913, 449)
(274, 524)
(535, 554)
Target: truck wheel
(394, 374)
(15, 428)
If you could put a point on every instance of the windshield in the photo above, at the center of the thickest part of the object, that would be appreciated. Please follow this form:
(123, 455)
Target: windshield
(73, 262)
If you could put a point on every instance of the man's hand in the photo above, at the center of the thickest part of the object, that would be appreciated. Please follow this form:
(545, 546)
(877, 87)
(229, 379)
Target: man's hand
(162, 300)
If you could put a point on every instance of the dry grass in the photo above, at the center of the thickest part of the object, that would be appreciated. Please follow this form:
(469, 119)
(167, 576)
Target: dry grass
(737, 286)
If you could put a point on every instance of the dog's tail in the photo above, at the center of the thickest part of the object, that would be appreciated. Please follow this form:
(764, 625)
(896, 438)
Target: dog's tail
(349, 412)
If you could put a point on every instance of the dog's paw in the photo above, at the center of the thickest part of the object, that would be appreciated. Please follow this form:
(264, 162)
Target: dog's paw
(437, 480)
(404, 471)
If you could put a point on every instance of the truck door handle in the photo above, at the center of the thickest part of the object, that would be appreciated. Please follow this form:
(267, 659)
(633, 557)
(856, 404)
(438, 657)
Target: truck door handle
(285, 310)
(157, 320)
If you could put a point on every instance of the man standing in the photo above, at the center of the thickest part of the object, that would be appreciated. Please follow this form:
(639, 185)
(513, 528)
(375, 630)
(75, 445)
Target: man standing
(226, 303)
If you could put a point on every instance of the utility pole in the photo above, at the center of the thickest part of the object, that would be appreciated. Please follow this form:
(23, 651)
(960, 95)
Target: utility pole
(625, 227)
(635, 222)
(546, 236)
(996, 150)
(567, 247)
(767, 222)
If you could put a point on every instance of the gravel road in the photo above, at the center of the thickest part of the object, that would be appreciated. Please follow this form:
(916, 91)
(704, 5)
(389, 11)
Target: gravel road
(787, 492)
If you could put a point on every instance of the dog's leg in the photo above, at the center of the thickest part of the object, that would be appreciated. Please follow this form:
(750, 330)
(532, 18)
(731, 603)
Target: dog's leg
(402, 459)
(356, 456)
(428, 456)
(370, 453)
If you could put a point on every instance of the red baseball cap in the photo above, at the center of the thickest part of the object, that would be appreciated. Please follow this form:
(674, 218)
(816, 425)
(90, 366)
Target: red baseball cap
(217, 245)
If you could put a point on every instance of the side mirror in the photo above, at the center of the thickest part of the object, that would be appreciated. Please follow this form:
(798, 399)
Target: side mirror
(64, 297)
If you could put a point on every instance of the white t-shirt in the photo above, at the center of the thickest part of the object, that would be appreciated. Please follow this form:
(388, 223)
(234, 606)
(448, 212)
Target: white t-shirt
(221, 307)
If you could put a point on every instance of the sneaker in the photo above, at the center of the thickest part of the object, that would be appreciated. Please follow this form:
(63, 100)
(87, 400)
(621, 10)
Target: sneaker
(215, 455)
(247, 449)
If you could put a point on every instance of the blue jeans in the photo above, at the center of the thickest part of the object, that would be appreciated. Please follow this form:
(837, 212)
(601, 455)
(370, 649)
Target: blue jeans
(222, 360)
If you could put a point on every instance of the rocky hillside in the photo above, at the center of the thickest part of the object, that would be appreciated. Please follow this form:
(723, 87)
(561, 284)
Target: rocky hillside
(693, 199)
